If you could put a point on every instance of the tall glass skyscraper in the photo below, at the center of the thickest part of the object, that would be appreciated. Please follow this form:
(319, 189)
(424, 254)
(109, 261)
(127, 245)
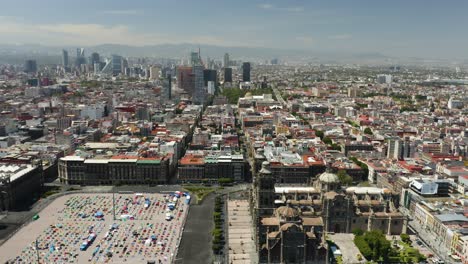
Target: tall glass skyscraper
(199, 85)
(116, 64)
(226, 60)
(246, 72)
(80, 57)
(65, 58)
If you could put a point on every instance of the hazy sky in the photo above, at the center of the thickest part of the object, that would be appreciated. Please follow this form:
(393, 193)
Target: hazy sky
(428, 28)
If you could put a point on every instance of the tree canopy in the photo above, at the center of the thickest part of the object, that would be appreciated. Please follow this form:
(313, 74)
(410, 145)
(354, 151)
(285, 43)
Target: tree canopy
(368, 131)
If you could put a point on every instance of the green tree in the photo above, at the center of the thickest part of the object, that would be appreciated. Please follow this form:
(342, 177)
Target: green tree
(336, 147)
(319, 134)
(358, 232)
(405, 238)
(374, 246)
(345, 179)
(368, 131)
(327, 140)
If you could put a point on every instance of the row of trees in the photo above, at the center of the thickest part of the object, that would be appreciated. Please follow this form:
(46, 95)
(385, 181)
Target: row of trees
(361, 164)
(218, 236)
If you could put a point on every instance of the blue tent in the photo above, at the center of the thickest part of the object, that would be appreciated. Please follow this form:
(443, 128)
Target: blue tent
(99, 214)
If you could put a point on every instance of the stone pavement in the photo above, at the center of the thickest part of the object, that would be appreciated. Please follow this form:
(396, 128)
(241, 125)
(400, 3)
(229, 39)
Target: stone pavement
(348, 249)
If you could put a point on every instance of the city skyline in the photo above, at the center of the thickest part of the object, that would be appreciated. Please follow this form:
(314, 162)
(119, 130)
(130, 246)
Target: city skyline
(394, 28)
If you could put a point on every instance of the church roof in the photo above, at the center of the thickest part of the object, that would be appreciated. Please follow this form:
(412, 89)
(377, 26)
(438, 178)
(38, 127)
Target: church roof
(286, 211)
(312, 221)
(328, 177)
(286, 226)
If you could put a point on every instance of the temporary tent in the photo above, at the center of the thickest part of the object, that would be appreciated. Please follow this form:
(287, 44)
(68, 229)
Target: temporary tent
(99, 214)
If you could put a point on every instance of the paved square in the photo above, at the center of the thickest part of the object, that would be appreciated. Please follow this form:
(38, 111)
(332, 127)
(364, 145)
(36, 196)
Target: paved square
(140, 232)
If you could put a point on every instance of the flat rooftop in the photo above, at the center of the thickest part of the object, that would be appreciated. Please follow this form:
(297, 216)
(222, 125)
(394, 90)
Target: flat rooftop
(14, 171)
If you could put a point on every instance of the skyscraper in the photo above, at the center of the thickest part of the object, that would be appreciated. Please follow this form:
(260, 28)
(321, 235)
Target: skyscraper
(30, 66)
(210, 76)
(185, 79)
(246, 72)
(116, 64)
(199, 87)
(226, 60)
(169, 86)
(195, 58)
(95, 58)
(65, 58)
(80, 57)
(166, 90)
(227, 75)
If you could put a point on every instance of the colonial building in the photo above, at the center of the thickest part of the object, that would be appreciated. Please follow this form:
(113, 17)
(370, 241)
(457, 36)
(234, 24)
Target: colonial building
(303, 214)
(284, 234)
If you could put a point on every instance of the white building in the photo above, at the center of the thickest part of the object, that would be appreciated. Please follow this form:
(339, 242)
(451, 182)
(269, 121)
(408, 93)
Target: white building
(384, 78)
(454, 103)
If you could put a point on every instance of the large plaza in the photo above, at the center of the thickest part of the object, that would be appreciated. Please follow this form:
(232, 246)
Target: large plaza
(102, 228)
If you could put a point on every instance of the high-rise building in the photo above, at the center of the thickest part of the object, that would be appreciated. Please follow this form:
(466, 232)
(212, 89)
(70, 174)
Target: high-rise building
(210, 76)
(80, 57)
(116, 64)
(97, 68)
(94, 58)
(166, 90)
(198, 96)
(124, 65)
(30, 66)
(227, 75)
(185, 79)
(168, 84)
(226, 60)
(384, 78)
(142, 112)
(246, 72)
(353, 91)
(65, 58)
(195, 58)
(395, 148)
(155, 72)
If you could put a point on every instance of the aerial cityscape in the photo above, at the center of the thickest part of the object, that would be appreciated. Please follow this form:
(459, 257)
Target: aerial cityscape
(250, 132)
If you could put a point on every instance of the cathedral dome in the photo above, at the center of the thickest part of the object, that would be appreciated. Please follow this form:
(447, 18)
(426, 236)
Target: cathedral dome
(286, 212)
(328, 177)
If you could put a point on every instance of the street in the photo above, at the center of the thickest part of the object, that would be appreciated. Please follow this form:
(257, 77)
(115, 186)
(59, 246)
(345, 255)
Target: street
(429, 239)
(195, 245)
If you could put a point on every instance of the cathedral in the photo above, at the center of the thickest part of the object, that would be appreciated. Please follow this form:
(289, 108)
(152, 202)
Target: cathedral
(292, 221)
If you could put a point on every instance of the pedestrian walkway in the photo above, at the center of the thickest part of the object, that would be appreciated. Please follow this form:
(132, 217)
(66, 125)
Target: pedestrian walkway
(240, 233)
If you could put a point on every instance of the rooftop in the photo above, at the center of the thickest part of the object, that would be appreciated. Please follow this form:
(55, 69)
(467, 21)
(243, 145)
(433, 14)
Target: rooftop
(14, 171)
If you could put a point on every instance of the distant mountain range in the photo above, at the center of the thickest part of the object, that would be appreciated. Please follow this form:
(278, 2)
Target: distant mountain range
(49, 54)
